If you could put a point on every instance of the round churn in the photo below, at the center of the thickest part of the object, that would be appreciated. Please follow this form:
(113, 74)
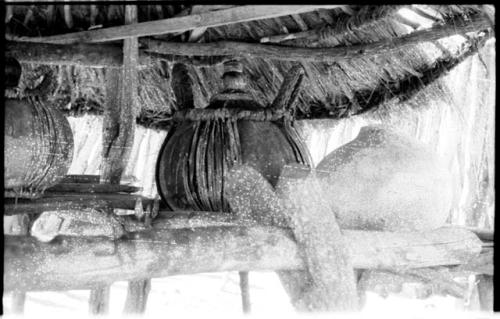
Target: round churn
(196, 153)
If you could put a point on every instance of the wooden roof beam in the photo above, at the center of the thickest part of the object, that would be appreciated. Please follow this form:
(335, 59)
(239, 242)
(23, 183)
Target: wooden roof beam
(186, 23)
(277, 52)
(104, 55)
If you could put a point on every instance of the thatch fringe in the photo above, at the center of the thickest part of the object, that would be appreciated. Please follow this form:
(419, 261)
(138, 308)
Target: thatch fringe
(401, 91)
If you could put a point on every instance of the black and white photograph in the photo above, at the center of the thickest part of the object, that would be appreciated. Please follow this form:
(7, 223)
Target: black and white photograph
(172, 159)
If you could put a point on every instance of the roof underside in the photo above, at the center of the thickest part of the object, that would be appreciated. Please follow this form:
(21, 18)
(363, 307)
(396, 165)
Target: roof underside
(335, 88)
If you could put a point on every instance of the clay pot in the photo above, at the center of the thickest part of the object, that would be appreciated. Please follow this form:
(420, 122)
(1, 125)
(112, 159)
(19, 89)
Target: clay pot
(383, 180)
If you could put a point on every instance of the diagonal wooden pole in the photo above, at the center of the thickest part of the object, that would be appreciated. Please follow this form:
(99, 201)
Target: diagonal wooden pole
(185, 23)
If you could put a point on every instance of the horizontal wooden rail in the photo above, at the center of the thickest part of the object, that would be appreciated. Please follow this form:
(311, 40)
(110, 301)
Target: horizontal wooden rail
(60, 201)
(104, 55)
(93, 188)
(89, 55)
(83, 263)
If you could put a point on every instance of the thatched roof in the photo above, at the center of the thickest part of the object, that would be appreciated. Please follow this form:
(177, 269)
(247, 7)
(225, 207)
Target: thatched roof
(394, 67)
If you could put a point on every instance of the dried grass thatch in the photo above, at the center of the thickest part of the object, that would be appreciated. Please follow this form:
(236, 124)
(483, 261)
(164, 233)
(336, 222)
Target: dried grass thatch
(331, 89)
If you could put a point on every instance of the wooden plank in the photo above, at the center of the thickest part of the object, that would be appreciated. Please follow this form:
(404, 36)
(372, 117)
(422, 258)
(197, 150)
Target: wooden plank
(61, 201)
(186, 23)
(277, 52)
(81, 179)
(137, 296)
(93, 188)
(83, 263)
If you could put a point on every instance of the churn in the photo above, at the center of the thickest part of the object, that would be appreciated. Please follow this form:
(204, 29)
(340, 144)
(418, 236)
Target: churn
(198, 150)
(38, 145)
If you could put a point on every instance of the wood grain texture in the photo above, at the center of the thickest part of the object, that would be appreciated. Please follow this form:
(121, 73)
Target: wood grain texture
(92, 55)
(93, 188)
(118, 130)
(179, 24)
(99, 300)
(329, 284)
(79, 263)
(137, 296)
(287, 53)
(62, 201)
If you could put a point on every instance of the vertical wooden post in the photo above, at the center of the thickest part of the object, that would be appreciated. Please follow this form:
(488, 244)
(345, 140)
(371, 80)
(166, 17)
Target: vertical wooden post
(120, 113)
(245, 292)
(121, 109)
(138, 291)
(328, 283)
(19, 226)
(99, 301)
(18, 301)
(137, 296)
(485, 290)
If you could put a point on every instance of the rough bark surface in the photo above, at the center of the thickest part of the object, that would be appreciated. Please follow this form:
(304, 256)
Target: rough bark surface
(328, 283)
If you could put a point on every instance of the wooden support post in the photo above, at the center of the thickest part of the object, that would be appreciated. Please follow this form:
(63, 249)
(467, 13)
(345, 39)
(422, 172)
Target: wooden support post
(99, 300)
(137, 296)
(120, 137)
(18, 226)
(328, 282)
(245, 292)
(119, 125)
(118, 128)
(18, 301)
(485, 290)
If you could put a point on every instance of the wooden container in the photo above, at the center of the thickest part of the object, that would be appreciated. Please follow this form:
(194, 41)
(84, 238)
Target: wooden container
(38, 146)
(196, 154)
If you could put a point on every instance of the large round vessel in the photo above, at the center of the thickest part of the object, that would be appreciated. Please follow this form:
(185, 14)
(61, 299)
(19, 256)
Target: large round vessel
(38, 145)
(196, 154)
(383, 180)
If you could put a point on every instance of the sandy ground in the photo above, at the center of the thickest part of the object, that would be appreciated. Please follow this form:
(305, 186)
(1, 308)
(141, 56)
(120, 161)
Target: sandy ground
(218, 295)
